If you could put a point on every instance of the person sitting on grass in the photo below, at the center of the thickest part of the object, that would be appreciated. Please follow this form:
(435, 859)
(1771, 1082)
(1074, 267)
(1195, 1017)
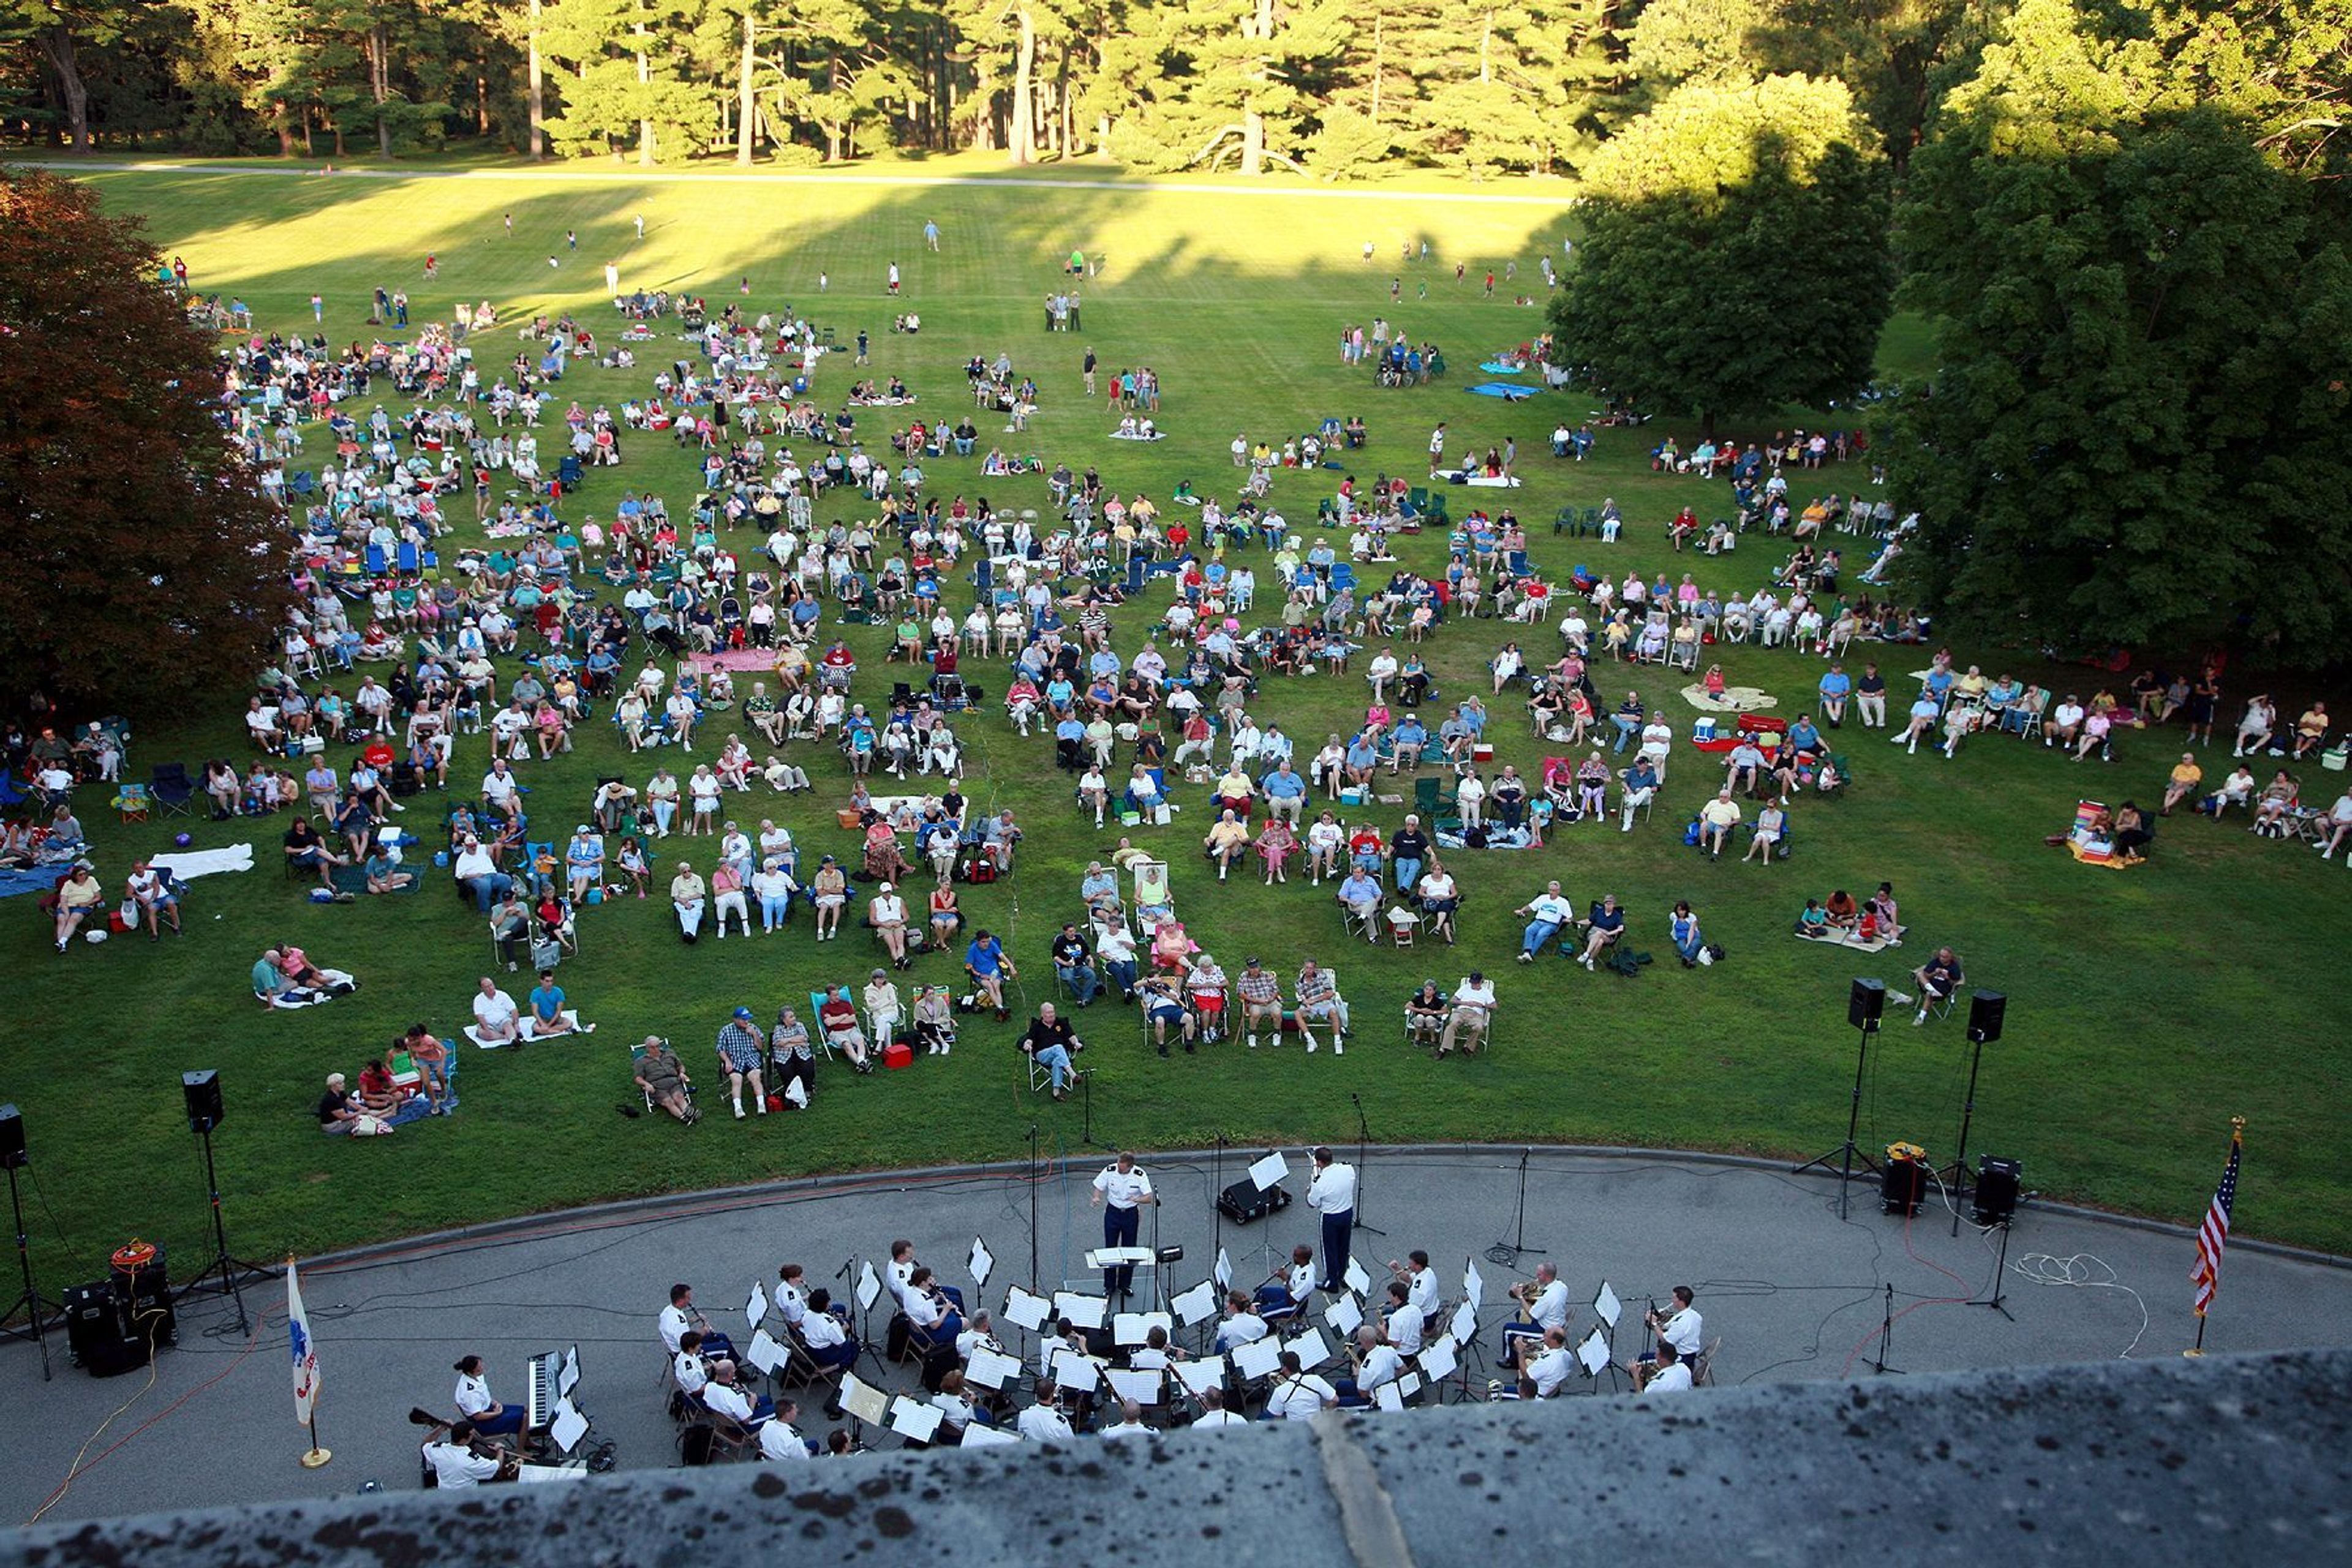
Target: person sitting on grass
(339, 1110)
(549, 1017)
(1813, 921)
(306, 850)
(663, 1077)
(496, 1020)
(1682, 930)
(2133, 833)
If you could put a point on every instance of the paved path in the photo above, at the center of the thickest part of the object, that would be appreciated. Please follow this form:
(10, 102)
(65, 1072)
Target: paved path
(1794, 1293)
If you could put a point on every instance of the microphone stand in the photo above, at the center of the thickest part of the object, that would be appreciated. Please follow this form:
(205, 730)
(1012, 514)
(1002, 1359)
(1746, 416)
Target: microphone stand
(1216, 1202)
(1032, 1205)
(1508, 1253)
(1363, 1137)
(1087, 1132)
(1886, 1337)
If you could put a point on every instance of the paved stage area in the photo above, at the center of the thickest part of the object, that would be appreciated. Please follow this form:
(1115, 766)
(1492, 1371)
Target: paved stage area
(1795, 1292)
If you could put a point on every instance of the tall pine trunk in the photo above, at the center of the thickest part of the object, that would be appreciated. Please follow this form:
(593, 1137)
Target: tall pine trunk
(536, 88)
(644, 126)
(1254, 123)
(380, 86)
(747, 114)
(56, 45)
(1024, 92)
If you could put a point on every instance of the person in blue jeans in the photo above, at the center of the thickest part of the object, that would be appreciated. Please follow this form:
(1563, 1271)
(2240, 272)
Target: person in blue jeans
(1408, 848)
(1683, 930)
(1627, 719)
(984, 961)
(1549, 912)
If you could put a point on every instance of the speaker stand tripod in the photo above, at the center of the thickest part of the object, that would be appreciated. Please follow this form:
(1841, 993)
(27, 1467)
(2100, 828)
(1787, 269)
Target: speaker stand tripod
(31, 1299)
(1999, 1276)
(1845, 1156)
(223, 1263)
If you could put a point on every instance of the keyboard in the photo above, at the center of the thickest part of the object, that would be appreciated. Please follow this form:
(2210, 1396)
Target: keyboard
(538, 1402)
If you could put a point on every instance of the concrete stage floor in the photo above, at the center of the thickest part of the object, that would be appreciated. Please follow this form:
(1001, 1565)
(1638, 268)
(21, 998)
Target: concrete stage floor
(1795, 1292)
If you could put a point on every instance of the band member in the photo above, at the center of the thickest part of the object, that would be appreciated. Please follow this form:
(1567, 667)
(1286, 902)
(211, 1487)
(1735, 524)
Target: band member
(489, 1417)
(1682, 1328)
(681, 1315)
(1121, 1189)
(462, 1459)
(1284, 1294)
(1543, 1305)
(1332, 1194)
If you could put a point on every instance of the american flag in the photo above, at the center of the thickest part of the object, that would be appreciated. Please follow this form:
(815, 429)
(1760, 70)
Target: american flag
(305, 1349)
(2214, 1234)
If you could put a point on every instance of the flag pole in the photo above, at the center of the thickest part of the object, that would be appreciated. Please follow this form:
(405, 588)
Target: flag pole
(2225, 1199)
(306, 1368)
(2193, 1352)
(317, 1456)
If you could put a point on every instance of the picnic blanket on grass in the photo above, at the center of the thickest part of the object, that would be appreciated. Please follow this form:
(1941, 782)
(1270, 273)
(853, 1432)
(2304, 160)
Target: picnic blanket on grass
(189, 864)
(1502, 389)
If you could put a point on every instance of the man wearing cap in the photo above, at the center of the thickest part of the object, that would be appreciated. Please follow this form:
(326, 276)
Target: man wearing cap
(1473, 1013)
(1261, 995)
(888, 914)
(741, 1054)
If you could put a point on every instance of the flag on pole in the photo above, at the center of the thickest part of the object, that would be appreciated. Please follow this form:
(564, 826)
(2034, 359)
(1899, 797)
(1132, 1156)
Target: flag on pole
(306, 1351)
(2214, 1234)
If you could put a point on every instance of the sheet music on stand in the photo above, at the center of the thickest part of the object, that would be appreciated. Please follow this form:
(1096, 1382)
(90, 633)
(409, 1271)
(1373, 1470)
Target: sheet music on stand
(1438, 1361)
(982, 1262)
(1344, 1316)
(567, 1428)
(569, 1378)
(1197, 1305)
(1607, 1308)
(1464, 1326)
(1117, 1257)
(865, 1401)
(1078, 1374)
(1312, 1350)
(1087, 1312)
(1024, 1310)
(991, 1369)
(764, 1352)
(1592, 1355)
(1474, 1284)
(980, 1434)
(869, 1286)
(918, 1423)
(1199, 1376)
(1388, 1397)
(1268, 1173)
(1259, 1358)
(755, 1310)
(1143, 1387)
(1357, 1278)
(1128, 1329)
(1225, 1270)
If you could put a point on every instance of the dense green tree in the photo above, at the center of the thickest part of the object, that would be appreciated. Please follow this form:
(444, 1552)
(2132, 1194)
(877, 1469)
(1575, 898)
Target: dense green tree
(2136, 432)
(629, 85)
(145, 563)
(1736, 255)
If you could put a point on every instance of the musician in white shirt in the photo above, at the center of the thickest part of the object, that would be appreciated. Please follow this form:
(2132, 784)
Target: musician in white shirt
(1422, 1278)
(680, 1315)
(1542, 1308)
(455, 1463)
(1332, 1194)
(1214, 1417)
(721, 1397)
(902, 1267)
(1297, 1394)
(823, 1336)
(780, 1439)
(1044, 1421)
(1242, 1326)
(790, 1298)
(929, 1310)
(1377, 1363)
(1130, 1422)
(1682, 1328)
(491, 1418)
(688, 1368)
(1154, 1354)
(1543, 1372)
(1121, 1189)
(1666, 1375)
(1403, 1320)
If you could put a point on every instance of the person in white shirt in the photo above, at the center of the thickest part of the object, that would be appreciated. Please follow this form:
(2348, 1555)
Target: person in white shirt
(1332, 1194)
(1214, 1417)
(1682, 1328)
(1543, 1305)
(780, 1439)
(1242, 1326)
(1473, 1015)
(1404, 1319)
(1283, 1296)
(455, 1463)
(1666, 1374)
(888, 912)
(1044, 1421)
(1419, 1279)
(1121, 1190)
(1130, 1422)
(790, 1296)
(681, 1315)
(884, 1007)
(1547, 914)
(721, 1396)
(477, 1404)
(1297, 1394)
(496, 1020)
(902, 1269)
(687, 1368)
(1377, 1364)
(1544, 1371)
(500, 789)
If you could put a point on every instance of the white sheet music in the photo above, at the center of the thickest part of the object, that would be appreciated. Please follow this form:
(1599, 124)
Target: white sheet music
(1388, 1397)
(863, 1400)
(917, 1422)
(764, 1352)
(1409, 1384)
(982, 1264)
(1135, 1328)
(1606, 1307)
(990, 1369)
(1259, 1358)
(1078, 1374)
(1143, 1387)
(869, 1286)
(1087, 1312)
(1024, 1310)
(1268, 1173)
(977, 1435)
(1465, 1326)
(539, 1475)
(1197, 1305)
(1199, 1376)
(1474, 1284)
(1312, 1350)
(1225, 1271)
(1438, 1361)
(567, 1428)
(1593, 1355)
(1344, 1315)
(755, 1310)
(1357, 1280)
(569, 1378)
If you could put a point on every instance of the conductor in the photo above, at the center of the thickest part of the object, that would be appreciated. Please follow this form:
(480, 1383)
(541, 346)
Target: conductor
(1332, 1194)
(1121, 1189)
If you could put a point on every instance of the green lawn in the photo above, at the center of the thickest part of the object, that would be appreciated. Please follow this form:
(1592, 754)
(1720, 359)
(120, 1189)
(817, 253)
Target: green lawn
(2143, 1005)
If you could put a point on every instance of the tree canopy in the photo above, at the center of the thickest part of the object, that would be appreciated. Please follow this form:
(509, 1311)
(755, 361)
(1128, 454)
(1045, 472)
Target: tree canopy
(1736, 256)
(144, 560)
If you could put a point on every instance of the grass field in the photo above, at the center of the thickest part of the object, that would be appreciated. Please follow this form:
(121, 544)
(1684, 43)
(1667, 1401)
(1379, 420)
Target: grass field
(2146, 1007)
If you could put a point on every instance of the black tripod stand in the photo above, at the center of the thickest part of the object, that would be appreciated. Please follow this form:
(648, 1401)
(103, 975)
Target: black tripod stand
(1886, 1338)
(1363, 1137)
(221, 1262)
(31, 1299)
(1967, 1113)
(1507, 1253)
(1999, 1274)
(1845, 1156)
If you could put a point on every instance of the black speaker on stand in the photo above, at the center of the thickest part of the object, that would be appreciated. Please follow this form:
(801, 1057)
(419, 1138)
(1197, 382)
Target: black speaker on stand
(1864, 1006)
(201, 1091)
(14, 1158)
(1986, 1011)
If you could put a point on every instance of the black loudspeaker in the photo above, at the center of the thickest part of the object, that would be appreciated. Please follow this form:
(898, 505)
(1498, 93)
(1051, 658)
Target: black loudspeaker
(12, 1138)
(1244, 1203)
(1985, 1010)
(97, 1333)
(1997, 1181)
(1868, 1001)
(204, 1096)
(1903, 1187)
